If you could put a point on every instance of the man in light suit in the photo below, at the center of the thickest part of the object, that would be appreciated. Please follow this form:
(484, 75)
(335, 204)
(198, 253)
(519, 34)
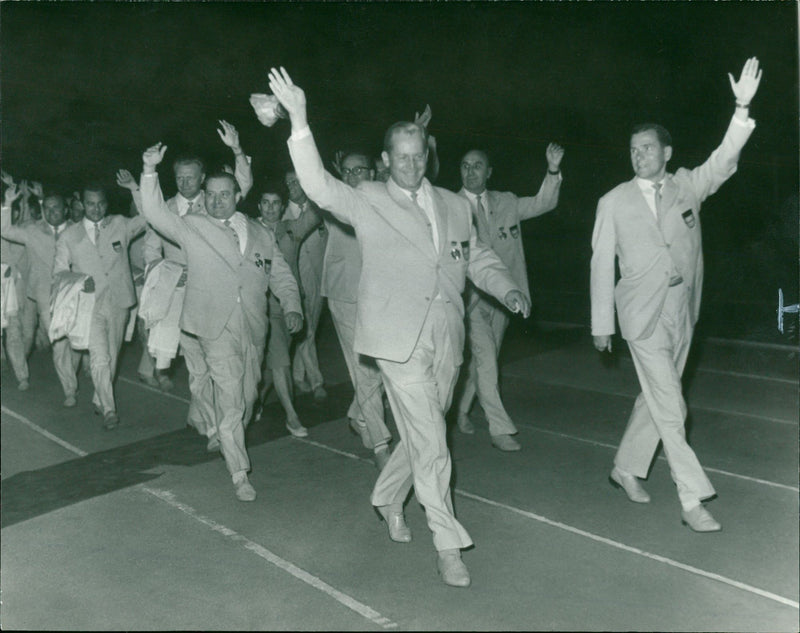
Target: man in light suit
(305, 365)
(189, 177)
(340, 274)
(498, 215)
(231, 263)
(98, 246)
(39, 239)
(418, 246)
(652, 224)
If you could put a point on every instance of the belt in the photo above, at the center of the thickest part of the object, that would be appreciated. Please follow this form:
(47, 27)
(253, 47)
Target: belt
(674, 281)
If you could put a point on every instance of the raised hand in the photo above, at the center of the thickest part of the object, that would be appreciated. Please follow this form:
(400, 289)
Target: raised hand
(745, 89)
(6, 178)
(337, 161)
(125, 179)
(153, 156)
(24, 190)
(516, 301)
(11, 194)
(554, 153)
(425, 118)
(36, 189)
(229, 136)
(431, 143)
(291, 97)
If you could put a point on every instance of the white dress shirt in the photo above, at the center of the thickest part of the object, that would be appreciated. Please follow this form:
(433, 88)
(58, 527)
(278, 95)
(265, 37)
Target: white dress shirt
(90, 226)
(238, 223)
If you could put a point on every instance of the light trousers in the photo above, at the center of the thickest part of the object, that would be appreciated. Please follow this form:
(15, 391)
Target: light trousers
(304, 362)
(106, 333)
(367, 405)
(659, 413)
(486, 326)
(65, 359)
(420, 391)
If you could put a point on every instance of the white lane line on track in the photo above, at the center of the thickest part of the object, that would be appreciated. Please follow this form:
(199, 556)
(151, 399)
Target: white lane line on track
(575, 438)
(45, 433)
(602, 539)
(348, 601)
(635, 550)
(621, 394)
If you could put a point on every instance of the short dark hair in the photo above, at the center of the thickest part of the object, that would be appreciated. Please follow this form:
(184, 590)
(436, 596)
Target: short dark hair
(54, 194)
(276, 186)
(188, 159)
(408, 128)
(663, 135)
(94, 187)
(479, 151)
(222, 175)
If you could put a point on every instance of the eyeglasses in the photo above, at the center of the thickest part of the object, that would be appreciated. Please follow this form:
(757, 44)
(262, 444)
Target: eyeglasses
(355, 171)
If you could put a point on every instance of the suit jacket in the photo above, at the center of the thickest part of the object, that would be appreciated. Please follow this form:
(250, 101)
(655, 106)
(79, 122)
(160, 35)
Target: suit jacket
(156, 246)
(342, 266)
(648, 247)
(501, 230)
(311, 252)
(402, 270)
(107, 262)
(40, 244)
(219, 275)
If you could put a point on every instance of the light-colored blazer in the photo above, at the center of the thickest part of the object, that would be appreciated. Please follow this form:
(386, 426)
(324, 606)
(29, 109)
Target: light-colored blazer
(40, 243)
(501, 231)
(402, 271)
(219, 276)
(107, 263)
(342, 266)
(647, 247)
(156, 246)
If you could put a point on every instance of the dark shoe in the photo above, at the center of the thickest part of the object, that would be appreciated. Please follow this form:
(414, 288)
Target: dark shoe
(320, 395)
(164, 383)
(110, 420)
(700, 520)
(150, 381)
(505, 443)
(630, 485)
(302, 386)
(399, 532)
(452, 569)
(23, 385)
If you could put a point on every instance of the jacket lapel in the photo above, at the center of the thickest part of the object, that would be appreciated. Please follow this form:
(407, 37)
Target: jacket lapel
(638, 201)
(409, 217)
(440, 211)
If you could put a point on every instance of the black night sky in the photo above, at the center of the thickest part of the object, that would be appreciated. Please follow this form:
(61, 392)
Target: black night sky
(87, 86)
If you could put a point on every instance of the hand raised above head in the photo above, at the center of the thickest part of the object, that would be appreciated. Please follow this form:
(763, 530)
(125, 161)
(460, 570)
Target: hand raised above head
(6, 178)
(36, 189)
(11, 194)
(745, 89)
(125, 179)
(425, 118)
(554, 153)
(152, 156)
(229, 135)
(291, 97)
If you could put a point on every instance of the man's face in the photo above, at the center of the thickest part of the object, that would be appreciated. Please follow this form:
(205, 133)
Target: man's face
(271, 207)
(54, 211)
(76, 210)
(648, 156)
(95, 205)
(381, 170)
(356, 169)
(189, 178)
(221, 198)
(296, 193)
(475, 171)
(407, 160)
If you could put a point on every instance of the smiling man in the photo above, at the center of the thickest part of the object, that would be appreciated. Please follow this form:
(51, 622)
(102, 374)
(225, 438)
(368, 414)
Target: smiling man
(652, 224)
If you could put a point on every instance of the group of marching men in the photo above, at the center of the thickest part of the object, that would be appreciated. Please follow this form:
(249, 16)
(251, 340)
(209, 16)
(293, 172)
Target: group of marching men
(392, 253)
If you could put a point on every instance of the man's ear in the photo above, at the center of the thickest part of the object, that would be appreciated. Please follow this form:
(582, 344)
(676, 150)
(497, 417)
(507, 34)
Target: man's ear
(667, 153)
(238, 197)
(385, 158)
(488, 173)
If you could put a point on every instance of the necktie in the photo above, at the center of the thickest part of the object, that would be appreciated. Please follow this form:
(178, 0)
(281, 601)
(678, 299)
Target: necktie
(228, 224)
(189, 206)
(657, 188)
(96, 233)
(482, 209)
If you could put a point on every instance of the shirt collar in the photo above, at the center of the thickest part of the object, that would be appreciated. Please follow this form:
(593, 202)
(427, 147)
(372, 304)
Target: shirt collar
(647, 185)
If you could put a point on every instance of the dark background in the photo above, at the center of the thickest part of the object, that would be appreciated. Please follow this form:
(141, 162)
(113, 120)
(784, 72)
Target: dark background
(87, 86)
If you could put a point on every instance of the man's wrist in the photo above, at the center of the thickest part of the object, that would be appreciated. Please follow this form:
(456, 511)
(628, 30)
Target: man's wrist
(237, 151)
(742, 104)
(149, 170)
(554, 172)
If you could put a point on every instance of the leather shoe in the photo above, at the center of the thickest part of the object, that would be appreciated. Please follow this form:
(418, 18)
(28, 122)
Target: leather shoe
(110, 420)
(382, 457)
(150, 381)
(629, 484)
(357, 429)
(164, 383)
(465, 424)
(399, 532)
(320, 395)
(452, 569)
(23, 385)
(70, 402)
(297, 429)
(244, 491)
(505, 443)
(700, 520)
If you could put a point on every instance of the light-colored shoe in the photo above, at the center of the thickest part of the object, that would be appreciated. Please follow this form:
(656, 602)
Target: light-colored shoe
(70, 401)
(465, 425)
(505, 443)
(110, 420)
(382, 456)
(244, 491)
(452, 569)
(320, 395)
(629, 484)
(213, 444)
(23, 385)
(361, 431)
(700, 520)
(399, 532)
(296, 429)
